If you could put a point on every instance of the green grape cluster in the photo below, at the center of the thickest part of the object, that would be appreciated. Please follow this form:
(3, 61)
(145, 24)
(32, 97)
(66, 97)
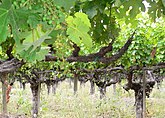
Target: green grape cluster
(23, 4)
(51, 13)
(48, 10)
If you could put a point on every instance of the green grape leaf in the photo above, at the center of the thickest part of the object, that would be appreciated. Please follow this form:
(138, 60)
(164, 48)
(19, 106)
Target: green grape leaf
(30, 47)
(92, 12)
(152, 10)
(33, 20)
(84, 18)
(66, 4)
(90, 9)
(3, 24)
(74, 37)
(53, 35)
(78, 28)
(38, 54)
(163, 1)
(130, 9)
(18, 20)
(15, 18)
(4, 14)
(33, 38)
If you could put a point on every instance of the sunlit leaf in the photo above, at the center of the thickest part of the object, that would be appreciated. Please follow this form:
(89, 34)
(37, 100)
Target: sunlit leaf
(78, 28)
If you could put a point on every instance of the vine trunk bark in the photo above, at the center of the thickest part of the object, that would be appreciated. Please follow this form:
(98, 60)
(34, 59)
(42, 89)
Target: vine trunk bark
(92, 89)
(75, 84)
(139, 103)
(70, 82)
(4, 89)
(54, 88)
(102, 92)
(114, 89)
(140, 98)
(24, 85)
(48, 87)
(82, 84)
(35, 88)
(144, 94)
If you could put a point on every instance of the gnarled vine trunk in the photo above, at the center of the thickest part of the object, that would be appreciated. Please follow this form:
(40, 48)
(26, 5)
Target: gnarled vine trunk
(102, 92)
(75, 84)
(24, 85)
(92, 89)
(54, 88)
(35, 88)
(4, 88)
(82, 84)
(114, 89)
(70, 82)
(48, 87)
(144, 93)
(139, 103)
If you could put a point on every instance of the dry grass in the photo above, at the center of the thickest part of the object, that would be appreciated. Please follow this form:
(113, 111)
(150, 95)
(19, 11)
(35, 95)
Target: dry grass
(83, 105)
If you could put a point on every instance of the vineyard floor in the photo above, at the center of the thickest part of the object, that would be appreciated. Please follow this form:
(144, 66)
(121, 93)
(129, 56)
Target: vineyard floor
(64, 104)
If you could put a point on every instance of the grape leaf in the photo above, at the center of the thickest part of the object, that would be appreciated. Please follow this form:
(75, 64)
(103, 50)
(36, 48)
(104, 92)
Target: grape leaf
(163, 1)
(84, 18)
(40, 55)
(4, 14)
(17, 21)
(78, 28)
(90, 9)
(37, 55)
(33, 38)
(133, 7)
(3, 25)
(33, 20)
(31, 49)
(66, 4)
(53, 36)
(15, 18)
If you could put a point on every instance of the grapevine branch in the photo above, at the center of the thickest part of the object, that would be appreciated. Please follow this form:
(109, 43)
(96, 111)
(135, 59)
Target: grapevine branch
(100, 56)
(76, 50)
(105, 70)
(50, 57)
(133, 85)
(10, 65)
(154, 67)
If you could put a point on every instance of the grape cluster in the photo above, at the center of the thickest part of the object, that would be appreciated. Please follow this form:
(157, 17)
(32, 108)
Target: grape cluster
(52, 13)
(48, 10)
